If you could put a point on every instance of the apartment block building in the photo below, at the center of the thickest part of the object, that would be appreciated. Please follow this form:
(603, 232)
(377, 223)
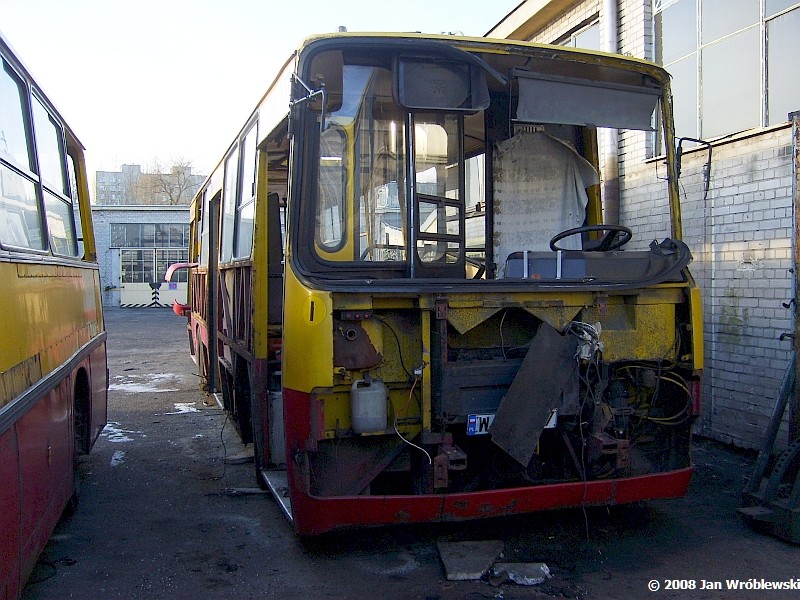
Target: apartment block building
(133, 186)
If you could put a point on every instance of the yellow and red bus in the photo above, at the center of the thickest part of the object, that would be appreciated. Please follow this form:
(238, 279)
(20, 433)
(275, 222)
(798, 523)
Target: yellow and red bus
(53, 374)
(411, 296)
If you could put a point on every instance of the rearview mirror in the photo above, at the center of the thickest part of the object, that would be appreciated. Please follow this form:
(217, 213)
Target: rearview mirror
(429, 84)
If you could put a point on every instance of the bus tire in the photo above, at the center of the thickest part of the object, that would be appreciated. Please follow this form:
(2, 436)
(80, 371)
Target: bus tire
(81, 402)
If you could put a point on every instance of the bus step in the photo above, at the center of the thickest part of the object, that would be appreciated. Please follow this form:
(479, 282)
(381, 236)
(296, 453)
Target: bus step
(758, 514)
(278, 483)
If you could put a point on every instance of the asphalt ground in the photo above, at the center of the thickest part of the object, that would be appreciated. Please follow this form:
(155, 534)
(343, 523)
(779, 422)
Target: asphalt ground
(169, 509)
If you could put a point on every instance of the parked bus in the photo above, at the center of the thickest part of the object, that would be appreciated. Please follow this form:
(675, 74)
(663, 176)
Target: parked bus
(53, 376)
(413, 299)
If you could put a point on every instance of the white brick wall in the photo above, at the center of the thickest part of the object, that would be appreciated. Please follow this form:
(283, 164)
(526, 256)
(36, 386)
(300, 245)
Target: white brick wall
(741, 237)
(567, 22)
(107, 257)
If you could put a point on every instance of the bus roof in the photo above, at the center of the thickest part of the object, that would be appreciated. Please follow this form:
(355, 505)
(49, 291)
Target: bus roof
(490, 45)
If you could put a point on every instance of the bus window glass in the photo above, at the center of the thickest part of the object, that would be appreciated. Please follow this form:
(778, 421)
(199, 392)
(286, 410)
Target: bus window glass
(204, 239)
(332, 180)
(245, 210)
(436, 156)
(380, 163)
(437, 176)
(73, 193)
(60, 224)
(229, 206)
(13, 138)
(475, 214)
(20, 220)
(244, 238)
(49, 149)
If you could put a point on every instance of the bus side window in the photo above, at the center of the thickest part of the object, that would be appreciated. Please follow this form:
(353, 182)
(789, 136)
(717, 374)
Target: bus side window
(73, 187)
(20, 217)
(475, 216)
(204, 239)
(229, 205)
(331, 209)
(52, 172)
(245, 205)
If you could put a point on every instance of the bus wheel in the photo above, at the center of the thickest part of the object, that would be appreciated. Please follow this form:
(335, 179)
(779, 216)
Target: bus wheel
(82, 426)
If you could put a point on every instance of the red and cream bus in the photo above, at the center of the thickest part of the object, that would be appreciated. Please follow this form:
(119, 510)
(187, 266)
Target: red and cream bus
(53, 374)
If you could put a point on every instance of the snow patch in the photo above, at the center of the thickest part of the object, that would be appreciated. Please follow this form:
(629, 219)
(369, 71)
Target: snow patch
(117, 458)
(182, 408)
(151, 382)
(116, 434)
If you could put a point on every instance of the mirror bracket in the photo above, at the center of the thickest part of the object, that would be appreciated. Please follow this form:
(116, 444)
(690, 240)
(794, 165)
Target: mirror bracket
(310, 95)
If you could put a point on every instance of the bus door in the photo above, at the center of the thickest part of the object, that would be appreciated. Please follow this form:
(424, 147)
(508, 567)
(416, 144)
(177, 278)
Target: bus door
(204, 291)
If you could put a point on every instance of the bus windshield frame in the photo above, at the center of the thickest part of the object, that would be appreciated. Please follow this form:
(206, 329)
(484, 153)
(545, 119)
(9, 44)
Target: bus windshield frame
(398, 192)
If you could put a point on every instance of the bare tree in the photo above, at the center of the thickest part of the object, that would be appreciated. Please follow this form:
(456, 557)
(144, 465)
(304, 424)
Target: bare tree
(171, 185)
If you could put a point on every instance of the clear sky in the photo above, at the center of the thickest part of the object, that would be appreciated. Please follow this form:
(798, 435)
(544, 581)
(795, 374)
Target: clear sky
(176, 79)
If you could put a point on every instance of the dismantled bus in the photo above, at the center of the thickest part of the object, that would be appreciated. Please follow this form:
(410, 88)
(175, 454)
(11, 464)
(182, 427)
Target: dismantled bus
(415, 301)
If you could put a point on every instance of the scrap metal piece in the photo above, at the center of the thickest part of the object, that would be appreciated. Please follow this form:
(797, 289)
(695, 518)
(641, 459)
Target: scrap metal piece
(346, 466)
(519, 573)
(352, 346)
(535, 391)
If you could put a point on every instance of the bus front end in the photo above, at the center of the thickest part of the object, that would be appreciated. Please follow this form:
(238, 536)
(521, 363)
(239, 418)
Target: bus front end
(475, 322)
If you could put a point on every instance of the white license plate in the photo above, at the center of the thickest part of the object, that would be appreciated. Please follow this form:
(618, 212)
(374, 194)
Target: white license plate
(479, 424)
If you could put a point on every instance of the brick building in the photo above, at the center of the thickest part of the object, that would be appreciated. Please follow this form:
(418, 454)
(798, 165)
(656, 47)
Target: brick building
(135, 245)
(731, 63)
(142, 226)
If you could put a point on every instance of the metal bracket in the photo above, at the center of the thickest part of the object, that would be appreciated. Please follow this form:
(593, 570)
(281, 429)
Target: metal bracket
(603, 444)
(442, 309)
(449, 458)
(601, 302)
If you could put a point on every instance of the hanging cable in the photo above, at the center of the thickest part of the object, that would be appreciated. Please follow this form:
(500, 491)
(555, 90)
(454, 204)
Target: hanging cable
(587, 355)
(502, 342)
(397, 340)
(397, 431)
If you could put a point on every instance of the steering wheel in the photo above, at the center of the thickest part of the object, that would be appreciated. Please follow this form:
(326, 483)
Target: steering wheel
(366, 251)
(616, 237)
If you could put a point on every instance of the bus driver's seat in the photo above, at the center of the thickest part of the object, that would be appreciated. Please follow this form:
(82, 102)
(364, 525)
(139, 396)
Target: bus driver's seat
(540, 191)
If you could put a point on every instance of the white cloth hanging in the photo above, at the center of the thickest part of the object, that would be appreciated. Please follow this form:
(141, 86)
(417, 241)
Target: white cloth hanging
(539, 190)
